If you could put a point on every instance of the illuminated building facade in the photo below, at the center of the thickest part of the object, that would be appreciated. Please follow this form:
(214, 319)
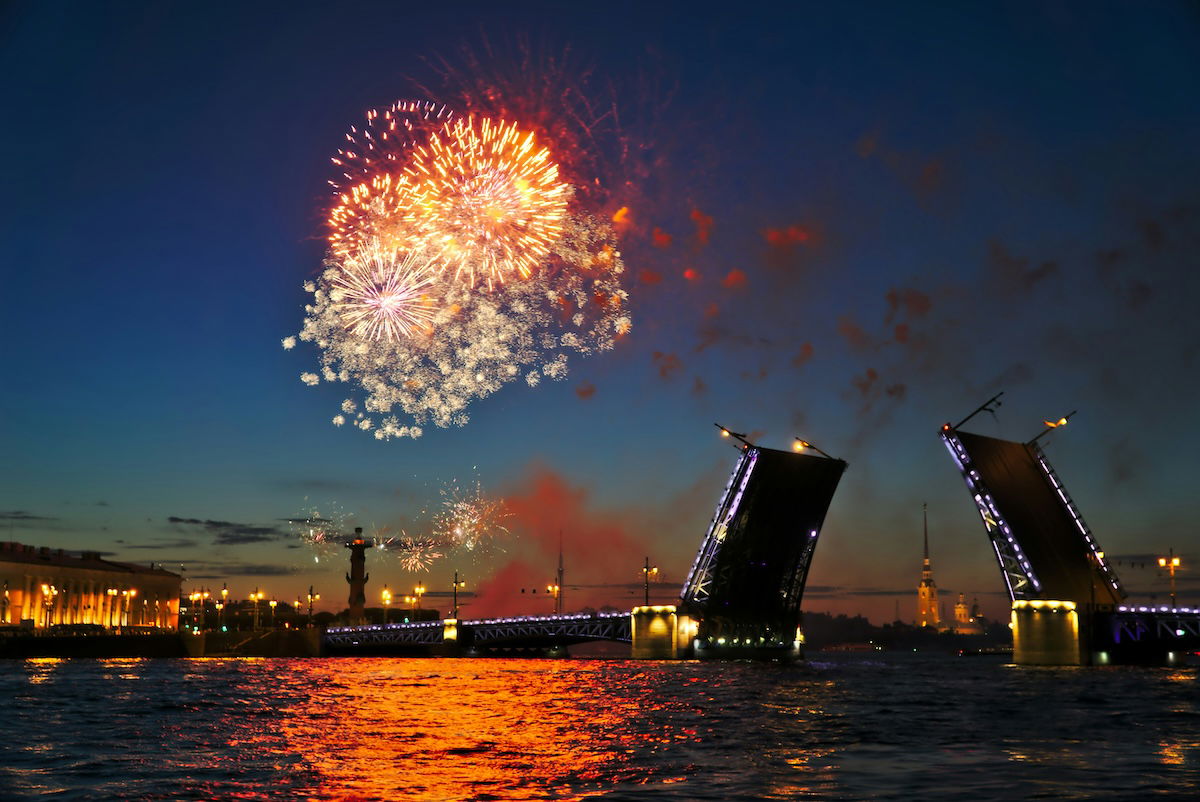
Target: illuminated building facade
(927, 601)
(967, 621)
(43, 587)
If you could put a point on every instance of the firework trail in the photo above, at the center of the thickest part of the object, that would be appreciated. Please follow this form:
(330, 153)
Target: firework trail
(459, 261)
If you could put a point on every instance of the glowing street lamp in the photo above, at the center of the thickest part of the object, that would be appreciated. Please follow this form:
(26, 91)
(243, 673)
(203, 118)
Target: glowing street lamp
(1170, 563)
(111, 593)
(256, 596)
(647, 570)
(272, 603)
(556, 589)
(311, 598)
(129, 595)
(49, 593)
(799, 445)
(387, 604)
(418, 592)
(739, 436)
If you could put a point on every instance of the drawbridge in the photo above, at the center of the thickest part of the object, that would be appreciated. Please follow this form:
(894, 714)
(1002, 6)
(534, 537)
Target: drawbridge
(1068, 604)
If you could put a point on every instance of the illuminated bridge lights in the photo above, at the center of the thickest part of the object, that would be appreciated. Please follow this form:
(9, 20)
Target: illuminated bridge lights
(1044, 604)
(1014, 565)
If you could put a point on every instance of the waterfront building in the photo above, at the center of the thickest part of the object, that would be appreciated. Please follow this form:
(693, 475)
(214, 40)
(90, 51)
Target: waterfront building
(927, 601)
(43, 587)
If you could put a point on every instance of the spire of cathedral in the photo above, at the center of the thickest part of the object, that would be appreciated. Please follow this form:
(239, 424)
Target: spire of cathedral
(927, 603)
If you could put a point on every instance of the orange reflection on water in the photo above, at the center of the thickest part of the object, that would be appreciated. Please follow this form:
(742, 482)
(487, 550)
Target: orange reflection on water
(458, 729)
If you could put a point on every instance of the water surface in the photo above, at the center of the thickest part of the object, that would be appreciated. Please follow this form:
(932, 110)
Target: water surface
(887, 726)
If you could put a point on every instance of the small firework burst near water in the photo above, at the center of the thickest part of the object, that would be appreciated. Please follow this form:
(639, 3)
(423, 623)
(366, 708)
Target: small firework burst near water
(469, 518)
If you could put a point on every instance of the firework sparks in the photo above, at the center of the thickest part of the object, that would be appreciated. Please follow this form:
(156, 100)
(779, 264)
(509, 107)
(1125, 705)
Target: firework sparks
(385, 140)
(487, 198)
(383, 293)
(432, 208)
(469, 518)
(473, 343)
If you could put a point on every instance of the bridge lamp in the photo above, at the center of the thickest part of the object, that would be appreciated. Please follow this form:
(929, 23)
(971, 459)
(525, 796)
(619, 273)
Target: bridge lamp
(799, 445)
(1170, 562)
(387, 604)
(739, 436)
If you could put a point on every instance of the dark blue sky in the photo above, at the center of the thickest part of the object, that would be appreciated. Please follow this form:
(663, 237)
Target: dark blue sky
(990, 198)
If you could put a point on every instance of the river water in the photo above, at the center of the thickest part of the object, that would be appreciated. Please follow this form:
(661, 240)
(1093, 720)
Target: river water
(841, 726)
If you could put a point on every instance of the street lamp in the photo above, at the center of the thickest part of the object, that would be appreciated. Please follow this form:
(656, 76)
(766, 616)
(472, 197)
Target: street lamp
(129, 597)
(1170, 563)
(647, 570)
(418, 592)
(387, 605)
(311, 598)
(799, 445)
(257, 596)
(272, 602)
(49, 592)
(220, 615)
(111, 593)
(456, 586)
(555, 589)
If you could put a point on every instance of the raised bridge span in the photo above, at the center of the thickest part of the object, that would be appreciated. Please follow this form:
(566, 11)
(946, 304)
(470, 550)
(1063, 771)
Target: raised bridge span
(1068, 604)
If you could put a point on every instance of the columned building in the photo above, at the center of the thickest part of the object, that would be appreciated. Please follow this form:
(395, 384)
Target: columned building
(927, 601)
(42, 587)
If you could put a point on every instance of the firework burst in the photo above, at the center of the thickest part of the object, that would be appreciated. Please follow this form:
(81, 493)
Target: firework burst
(475, 342)
(486, 199)
(424, 222)
(469, 518)
(383, 294)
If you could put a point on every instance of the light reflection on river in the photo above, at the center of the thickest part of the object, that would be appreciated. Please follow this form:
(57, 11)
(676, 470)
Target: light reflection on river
(841, 726)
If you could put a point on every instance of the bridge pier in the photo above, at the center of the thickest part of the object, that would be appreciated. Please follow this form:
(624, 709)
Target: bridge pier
(660, 633)
(1047, 633)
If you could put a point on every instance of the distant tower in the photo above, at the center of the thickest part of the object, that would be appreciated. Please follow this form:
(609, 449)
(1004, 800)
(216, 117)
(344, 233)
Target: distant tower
(961, 614)
(357, 577)
(927, 602)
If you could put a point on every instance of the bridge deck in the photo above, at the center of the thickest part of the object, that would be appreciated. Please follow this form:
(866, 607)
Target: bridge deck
(516, 632)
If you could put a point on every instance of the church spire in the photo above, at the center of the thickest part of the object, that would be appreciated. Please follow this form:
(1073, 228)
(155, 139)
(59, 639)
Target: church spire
(927, 603)
(925, 515)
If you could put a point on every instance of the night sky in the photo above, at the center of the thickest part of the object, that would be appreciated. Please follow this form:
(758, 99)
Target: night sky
(849, 225)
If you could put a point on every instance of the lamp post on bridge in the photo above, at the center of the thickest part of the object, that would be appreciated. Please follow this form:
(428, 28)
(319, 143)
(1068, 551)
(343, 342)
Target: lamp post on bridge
(1170, 562)
(387, 605)
(647, 570)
